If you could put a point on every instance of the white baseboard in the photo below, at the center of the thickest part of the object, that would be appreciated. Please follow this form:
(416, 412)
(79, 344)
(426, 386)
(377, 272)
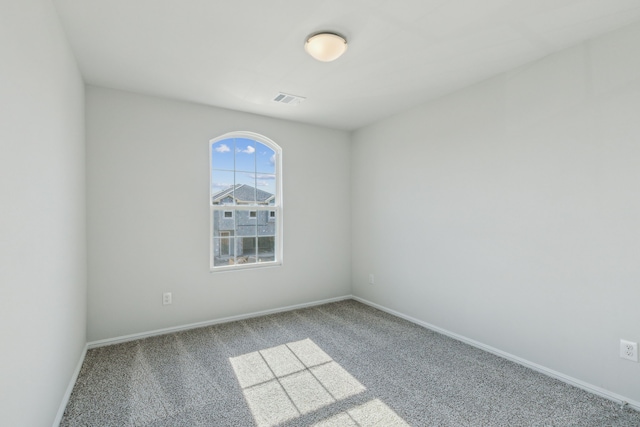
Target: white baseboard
(67, 393)
(125, 338)
(546, 371)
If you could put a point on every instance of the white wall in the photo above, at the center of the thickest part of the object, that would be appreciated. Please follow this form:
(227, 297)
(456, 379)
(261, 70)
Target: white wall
(42, 221)
(509, 212)
(148, 215)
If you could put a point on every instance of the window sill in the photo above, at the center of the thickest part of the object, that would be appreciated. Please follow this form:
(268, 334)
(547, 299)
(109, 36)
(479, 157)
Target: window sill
(239, 267)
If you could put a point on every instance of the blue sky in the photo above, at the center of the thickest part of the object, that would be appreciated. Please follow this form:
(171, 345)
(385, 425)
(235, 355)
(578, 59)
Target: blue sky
(254, 164)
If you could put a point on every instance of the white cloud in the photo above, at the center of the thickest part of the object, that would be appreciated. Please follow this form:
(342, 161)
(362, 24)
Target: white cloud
(222, 148)
(263, 184)
(220, 185)
(249, 150)
(272, 160)
(262, 176)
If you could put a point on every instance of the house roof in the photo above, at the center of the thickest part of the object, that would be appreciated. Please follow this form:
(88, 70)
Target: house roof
(243, 194)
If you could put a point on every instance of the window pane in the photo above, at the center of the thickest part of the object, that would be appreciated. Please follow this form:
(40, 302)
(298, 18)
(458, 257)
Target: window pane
(222, 187)
(246, 232)
(266, 224)
(245, 155)
(223, 224)
(245, 225)
(223, 241)
(223, 249)
(246, 188)
(222, 155)
(246, 250)
(265, 159)
(266, 185)
(254, 188)
(266, 248)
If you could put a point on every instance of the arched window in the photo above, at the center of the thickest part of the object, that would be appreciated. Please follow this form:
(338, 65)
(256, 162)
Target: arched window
(245, 201)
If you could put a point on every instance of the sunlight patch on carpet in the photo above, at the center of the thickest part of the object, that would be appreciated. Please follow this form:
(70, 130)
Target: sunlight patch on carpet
(284, 382)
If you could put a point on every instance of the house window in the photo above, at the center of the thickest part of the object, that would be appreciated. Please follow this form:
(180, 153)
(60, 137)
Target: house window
(246, 201)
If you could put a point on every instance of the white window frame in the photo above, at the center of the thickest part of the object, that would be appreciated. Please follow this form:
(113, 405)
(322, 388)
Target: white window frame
(277, 205)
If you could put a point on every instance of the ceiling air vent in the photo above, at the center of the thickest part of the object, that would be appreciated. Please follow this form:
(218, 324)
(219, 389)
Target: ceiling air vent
(285, 98)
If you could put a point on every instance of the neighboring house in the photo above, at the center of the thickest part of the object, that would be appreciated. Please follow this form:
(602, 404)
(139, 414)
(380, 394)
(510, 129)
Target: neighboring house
(243, 235)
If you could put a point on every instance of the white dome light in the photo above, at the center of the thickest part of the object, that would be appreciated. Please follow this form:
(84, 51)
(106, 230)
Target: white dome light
(326, 47)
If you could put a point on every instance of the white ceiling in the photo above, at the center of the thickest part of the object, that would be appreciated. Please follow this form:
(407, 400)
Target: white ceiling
(239, 54)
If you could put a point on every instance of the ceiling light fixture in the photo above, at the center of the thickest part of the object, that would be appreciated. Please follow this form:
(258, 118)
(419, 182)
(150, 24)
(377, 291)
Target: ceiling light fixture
(325, 47)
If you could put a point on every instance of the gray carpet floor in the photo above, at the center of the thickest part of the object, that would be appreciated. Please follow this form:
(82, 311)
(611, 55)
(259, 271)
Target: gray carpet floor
(340, 364)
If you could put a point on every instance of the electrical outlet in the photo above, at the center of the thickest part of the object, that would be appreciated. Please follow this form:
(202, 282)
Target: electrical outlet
(629, 350)
(166, 298)
(372, 279)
